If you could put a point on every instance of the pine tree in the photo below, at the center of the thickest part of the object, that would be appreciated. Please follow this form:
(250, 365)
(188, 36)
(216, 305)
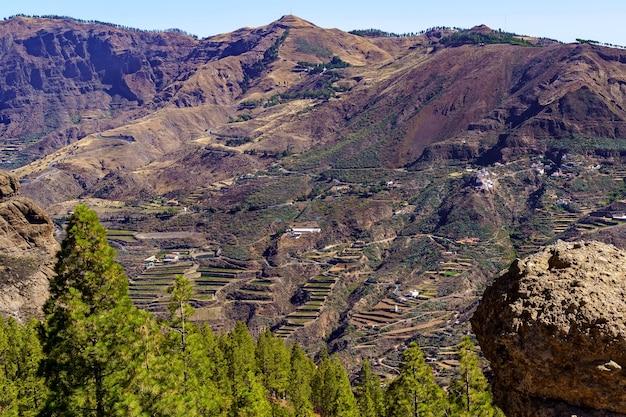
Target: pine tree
(345, 403)
(469, 393)
(414, 392)
(273, 364)
(201, 384)
(216, 368)
(323, 384)
(22, 391)
(249, 397)
(180, 312)
(299, 389)
(8, 388)
(368, 392)
(89, 324)
(148, 389)
(25, 354)
(331, 391)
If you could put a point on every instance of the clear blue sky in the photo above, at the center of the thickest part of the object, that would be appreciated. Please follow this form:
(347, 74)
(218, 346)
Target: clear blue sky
(601, 20)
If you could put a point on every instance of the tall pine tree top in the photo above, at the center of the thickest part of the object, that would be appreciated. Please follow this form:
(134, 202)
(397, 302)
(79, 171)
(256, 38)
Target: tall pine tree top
(86, 263)
(89, 325)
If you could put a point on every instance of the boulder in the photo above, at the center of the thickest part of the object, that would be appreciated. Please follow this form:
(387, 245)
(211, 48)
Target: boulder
(554, 328)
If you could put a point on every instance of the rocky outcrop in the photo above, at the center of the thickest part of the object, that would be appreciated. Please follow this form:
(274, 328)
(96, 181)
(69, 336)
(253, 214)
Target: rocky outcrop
(554, 328)
(27, 252)
(9, 186)
(62, 79)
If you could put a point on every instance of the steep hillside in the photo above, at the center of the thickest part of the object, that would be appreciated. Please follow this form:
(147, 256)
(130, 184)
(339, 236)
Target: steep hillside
(258, 90)
(63, 79)
(341, 189)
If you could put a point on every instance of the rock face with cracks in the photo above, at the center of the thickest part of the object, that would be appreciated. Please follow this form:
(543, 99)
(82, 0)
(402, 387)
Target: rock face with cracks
(27, 252)
(554, 328)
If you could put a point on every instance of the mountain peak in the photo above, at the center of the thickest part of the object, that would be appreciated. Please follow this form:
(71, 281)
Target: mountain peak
(484, 29)
(292, 21)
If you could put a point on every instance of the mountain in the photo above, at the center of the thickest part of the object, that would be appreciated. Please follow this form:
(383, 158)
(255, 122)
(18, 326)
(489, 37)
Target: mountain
(341, 188)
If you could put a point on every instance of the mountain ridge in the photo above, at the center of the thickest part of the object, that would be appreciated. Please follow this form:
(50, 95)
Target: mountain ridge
(414, 165)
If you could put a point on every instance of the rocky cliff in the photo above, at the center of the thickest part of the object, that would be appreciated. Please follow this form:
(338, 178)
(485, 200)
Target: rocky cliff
(27, 252)
(554, 328)
(63, 79)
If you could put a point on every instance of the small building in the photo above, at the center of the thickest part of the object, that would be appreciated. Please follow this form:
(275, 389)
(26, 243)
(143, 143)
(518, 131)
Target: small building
(150, 261)
(305, 230)
(413, 294)
(304, 227)
(339, 188)
(171, 257)
(484, 179)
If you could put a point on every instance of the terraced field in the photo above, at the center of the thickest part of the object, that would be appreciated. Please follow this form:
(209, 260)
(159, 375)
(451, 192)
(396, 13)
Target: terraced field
(318, 289)
(254, 291)
(213, 280)
(149, 290)
(385, 312)
(126, 236)
(341, 259)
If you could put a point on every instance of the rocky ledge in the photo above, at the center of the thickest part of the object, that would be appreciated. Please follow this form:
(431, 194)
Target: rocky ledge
(27, 252)
(554, 328)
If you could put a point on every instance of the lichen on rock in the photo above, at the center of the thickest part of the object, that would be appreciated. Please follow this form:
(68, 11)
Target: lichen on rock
(554, 328)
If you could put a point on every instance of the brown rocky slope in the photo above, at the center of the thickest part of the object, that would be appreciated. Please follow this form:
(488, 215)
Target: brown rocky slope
(27, 252)
(63, 79)
(401, 101)
(553, 327)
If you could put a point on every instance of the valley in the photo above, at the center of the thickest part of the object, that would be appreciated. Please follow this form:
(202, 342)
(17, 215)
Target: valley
(357, 265)
(347, 191)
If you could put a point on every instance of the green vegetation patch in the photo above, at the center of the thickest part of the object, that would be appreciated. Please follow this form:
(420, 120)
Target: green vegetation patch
(585, 145)
(366, 176)
(313, 48)
(314, 68)
(280, 191)
(468, 37)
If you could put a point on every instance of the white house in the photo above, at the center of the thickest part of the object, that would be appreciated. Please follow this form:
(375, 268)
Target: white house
(305, 230)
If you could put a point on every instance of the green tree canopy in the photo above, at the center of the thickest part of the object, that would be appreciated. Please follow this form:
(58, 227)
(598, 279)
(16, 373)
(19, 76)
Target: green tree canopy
(89, 324)
(22, 391)
(368, 392)
(469, 392)
(415, 392)
(299, 389)
(273, 364)
(331, 391)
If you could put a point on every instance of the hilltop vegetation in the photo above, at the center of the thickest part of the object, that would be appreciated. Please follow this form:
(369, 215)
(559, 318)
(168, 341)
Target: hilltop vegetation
(474, 37)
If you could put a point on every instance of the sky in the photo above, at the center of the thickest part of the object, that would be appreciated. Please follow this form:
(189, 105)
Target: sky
(599, 20)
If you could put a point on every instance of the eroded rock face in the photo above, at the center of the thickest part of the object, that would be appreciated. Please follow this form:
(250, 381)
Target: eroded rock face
(27, 252)
(9, 185)
(554, 328)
